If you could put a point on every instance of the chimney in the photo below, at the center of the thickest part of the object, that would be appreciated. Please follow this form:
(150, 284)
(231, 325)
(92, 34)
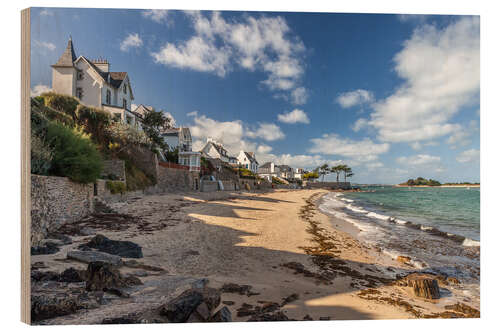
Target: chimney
(102, 64)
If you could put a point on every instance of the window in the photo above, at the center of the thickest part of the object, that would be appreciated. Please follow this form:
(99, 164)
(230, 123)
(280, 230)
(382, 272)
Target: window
(79, 93)
(79, 75)
(125, 88)
(108, 97)
(124, 103)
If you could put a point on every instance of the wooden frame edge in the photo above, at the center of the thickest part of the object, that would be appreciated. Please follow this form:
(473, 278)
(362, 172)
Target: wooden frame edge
(25, 166)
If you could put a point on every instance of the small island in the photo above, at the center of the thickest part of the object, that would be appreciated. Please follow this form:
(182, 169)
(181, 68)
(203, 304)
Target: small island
(422, 182)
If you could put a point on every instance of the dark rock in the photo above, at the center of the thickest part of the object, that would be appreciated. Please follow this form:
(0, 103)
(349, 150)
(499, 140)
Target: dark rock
(179, 309)
(236, 289)
(307, 317)
(72, 275)
(277, 316)
(290, 299)
(124, 249)
(45, 307)
(93, 256)
(203, 312)
(200, 284)
(270, 307)
(424, 286)
(223, 315)
(44, 276)
(211, 297)
(65, 240)
(47, 248)
(104, 276)
(38, 265)
(228, 302)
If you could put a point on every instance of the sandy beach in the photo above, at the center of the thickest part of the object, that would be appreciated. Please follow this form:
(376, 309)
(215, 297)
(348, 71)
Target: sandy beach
(277, 242)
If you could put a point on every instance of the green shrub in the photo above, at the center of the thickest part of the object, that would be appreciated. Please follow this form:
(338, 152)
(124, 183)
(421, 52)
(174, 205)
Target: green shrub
(94, 121)
(59, 116)
(75, 156)
(116, 187)
(41, 156)
(63, 103)
(136, 178)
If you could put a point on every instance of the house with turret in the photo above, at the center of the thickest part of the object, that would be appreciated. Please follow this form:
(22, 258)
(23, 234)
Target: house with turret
(94, 84)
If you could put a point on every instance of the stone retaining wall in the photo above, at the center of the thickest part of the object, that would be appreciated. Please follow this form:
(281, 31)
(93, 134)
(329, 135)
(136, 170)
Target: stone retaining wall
(115, 168)
(177, 179)
(209, 186)
(56, 201)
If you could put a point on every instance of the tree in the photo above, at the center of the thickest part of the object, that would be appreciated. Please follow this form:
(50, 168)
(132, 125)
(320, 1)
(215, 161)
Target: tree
(337, 170)
(153, 124)
(347, 170)
(324, 170)
(350, 174)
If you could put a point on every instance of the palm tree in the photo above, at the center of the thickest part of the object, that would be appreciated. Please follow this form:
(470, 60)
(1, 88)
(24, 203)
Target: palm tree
(349, 174)
(347, 170)
(323, 170)
(337, 169)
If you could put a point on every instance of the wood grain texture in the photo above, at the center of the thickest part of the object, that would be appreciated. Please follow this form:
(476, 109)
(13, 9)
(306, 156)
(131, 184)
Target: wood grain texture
(25, 166)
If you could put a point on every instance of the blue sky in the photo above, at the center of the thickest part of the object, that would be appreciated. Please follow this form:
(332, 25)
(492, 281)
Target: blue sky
(394, 96)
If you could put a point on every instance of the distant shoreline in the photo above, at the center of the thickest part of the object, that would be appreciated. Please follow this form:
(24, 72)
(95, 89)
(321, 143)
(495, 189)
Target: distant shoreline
(457, 185)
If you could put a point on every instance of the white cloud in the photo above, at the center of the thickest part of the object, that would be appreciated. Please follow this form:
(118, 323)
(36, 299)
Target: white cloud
(264, 44)
(46, 12)
(461, 136)
(353, 98)
(418, 160)
(45, 45)
(264, 149)
(196, 54)
(360, 124)
(132, 40)
(266, 131)
(157, 15)
(441, 73)
(39, 89)
(471, 155)
(418, 145)
(299, 96)
(374, 165)
(295, 116)
(364, 150)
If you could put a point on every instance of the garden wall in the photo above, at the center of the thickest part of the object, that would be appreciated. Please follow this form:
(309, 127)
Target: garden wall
(115, 168)
(171, 179)
(56, 201)
(209, 186)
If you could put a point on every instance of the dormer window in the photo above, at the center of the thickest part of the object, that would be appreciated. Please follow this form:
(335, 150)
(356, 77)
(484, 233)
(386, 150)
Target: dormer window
(125, 88)
(124, 103)
(79, 75)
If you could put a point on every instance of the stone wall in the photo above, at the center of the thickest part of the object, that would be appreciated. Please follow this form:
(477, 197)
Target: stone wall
(329, 185)
(229, 185)
(209, 186)
(56, 201)
(144, 159)
(115, 168)
(171, 179)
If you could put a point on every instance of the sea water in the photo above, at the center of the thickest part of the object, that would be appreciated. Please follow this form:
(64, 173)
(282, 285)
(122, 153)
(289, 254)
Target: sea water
(438, 228)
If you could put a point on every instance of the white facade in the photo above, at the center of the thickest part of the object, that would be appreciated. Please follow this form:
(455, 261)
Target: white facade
(214, 149)
(247, 160)
(94, 85)
(181, 138)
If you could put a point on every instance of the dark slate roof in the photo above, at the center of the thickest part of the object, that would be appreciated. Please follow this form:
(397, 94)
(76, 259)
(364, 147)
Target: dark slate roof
(250, 157)
(220, 149)
(68, 57)
(266, 165)
(116, 78)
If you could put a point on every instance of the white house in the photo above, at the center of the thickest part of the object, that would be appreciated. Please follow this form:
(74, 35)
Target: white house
(92, 82)
(180, 138)
(247, 160)
(267, 170)
(214, 149)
